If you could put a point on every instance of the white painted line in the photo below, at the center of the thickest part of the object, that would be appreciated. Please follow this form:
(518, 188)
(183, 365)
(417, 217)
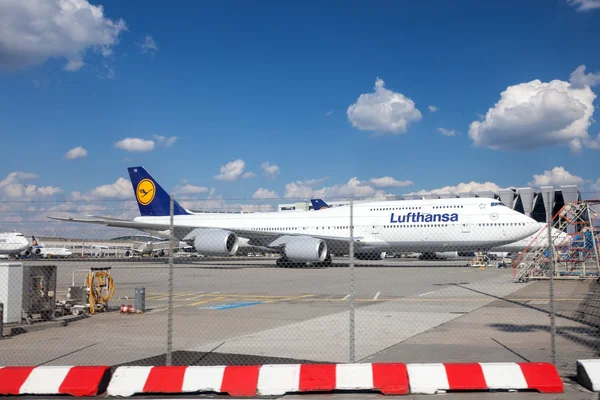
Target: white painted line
(425, 294)
(345, 297)
(376, 296)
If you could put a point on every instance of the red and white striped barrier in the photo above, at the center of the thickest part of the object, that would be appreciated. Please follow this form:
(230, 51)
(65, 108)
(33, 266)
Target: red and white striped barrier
(75, 381)
(434, 378)
(265, 380)
(588, 374)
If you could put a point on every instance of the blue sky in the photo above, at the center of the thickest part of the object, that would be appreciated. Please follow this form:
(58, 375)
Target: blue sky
(273, 82)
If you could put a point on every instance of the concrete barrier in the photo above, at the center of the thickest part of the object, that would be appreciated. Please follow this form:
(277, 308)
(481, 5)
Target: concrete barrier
(439, 378)
(264, 380)
(74, 381)
(588, 374)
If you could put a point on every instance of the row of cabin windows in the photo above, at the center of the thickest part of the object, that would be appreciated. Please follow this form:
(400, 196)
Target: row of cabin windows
(393, 226)
(410, 208)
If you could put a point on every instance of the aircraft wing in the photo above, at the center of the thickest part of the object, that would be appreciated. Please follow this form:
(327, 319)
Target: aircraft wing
(186, 233)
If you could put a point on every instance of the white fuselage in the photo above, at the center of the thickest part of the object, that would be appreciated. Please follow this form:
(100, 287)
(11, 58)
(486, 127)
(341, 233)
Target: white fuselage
(13, 243)
(421, 225)
(538, 240)
(54, 252)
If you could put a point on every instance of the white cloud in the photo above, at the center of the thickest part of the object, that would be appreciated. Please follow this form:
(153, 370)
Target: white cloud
(301, 189)
(265, 194)
(76, 152)
(165, 141)
(149, 46)
(270, 170)
(433, 108)
(16, 177)
(556, 177)
(584, 5)
(383, 111)
(233, 171)
(463, 187)
(135, 144)
(579, 79)
(388, 181)
(536, 114)
(121, 189)
(329, 113)
(190, 189)
(447, 132)
(33, 31)
(14, 188)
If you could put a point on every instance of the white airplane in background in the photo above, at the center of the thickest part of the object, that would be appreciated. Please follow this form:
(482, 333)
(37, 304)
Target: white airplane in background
(14, 243)
(461, 224)
(157, 249)
(40, 250)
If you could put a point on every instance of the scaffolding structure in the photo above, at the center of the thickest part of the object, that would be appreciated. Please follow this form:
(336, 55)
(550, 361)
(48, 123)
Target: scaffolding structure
(574, 257)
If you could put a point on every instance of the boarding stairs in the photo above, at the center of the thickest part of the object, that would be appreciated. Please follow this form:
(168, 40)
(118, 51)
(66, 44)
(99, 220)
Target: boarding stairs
(535, 261)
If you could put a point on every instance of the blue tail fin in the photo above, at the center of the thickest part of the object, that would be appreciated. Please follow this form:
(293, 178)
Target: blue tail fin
(319, 204)
(151, 197)
(34, 242)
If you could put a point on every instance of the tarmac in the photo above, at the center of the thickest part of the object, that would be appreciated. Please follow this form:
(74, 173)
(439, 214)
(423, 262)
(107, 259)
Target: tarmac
(247, 311)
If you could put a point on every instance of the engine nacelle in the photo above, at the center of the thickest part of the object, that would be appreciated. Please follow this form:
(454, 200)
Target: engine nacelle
(371, 255)
(306, 249)
(37, 251)
(216, 242)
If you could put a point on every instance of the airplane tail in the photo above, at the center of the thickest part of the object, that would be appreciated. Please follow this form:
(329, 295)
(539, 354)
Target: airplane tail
(152, 199)
(34, 242)
(319, 204)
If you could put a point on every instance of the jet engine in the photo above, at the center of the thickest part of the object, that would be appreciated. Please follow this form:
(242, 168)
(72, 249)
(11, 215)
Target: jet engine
(216, 242)
(36, 251)
(371, 255)
(306, 249)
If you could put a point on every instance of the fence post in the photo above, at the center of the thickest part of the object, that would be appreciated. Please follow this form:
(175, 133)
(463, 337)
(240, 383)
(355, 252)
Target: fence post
(352, 291)
(548, 193)
(170, 290)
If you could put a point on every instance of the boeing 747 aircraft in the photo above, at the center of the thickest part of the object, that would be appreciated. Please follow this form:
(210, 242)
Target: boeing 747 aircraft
(14, 243)
(462, 224)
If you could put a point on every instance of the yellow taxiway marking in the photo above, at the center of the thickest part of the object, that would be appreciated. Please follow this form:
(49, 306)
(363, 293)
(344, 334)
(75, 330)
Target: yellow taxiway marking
(166, 296)
(207, 301)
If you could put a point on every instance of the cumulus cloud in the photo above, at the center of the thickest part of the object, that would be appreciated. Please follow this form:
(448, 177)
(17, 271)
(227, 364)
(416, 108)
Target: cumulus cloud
(16, 177)
(121, 189)
(33, 31)
(271, 170)
(265, 194)
(433, 108)
(165, 141)
(135, 144)
(148, 46)
(463, 188)
(190, 189)
(388, 181)
(447, 132)
(579, 79)
(556, 177)
(13, 186)
(301, 189)
(354, 186)
(584, 5)
(536, 114)
(76, 152)
(234, 170)
(383, 111)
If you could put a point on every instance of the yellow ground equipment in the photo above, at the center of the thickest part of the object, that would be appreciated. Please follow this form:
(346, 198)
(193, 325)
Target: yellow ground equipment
(101, 288)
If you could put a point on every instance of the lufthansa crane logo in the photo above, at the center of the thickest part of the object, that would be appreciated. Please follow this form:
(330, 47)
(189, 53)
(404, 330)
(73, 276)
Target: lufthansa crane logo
(494, 216)
(145, 192)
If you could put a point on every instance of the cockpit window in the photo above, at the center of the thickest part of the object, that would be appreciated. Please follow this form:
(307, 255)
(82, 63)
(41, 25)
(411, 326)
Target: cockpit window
(497, 203)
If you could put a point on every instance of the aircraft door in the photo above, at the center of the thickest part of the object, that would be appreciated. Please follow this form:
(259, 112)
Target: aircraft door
(466, 226)
(375, 230)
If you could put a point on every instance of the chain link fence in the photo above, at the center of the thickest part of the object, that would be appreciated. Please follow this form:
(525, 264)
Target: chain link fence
(439, 280)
